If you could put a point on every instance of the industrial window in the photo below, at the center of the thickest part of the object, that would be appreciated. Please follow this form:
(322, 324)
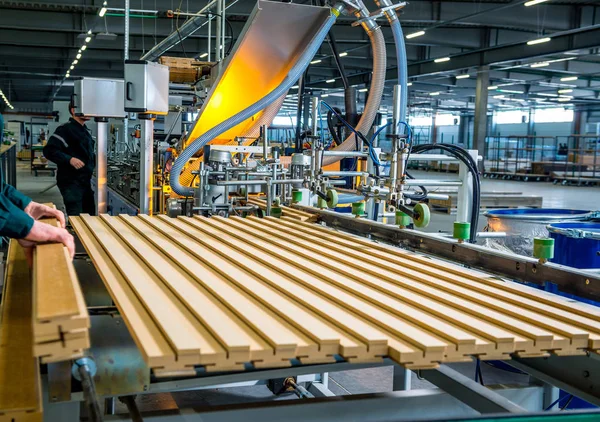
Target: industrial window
(284, 121)
(446, 120)
(552, 115)
(420, 121)
(511, 117)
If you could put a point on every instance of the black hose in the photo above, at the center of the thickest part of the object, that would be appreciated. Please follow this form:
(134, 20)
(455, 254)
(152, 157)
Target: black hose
(89, 393)
(331, 126)
(336, 57)
(462, 155)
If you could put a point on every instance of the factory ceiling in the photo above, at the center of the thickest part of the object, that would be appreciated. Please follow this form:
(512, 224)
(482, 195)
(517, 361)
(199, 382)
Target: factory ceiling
(39, 41)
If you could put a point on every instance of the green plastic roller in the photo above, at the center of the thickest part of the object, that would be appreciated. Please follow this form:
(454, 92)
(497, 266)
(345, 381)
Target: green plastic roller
(296, 196)
(402, 219)
(276, 212)
(543, 248)
(332, 198)
(358, 209)
(462, 231)
(423, 216)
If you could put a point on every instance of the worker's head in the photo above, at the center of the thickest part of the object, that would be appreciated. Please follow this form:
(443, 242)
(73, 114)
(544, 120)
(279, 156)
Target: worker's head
(79, 119)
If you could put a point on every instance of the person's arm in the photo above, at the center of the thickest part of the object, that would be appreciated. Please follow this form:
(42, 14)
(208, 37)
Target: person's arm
(56, 150)
(14, 196)
(14, 222)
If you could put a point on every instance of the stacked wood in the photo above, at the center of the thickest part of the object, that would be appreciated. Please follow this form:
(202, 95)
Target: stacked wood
(220, 293)
(286, 211)
(20, 389)
(184, 70)
(60, 317)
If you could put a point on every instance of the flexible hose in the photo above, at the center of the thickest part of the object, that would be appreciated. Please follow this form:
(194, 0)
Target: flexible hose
(284, 86)
(375, 94)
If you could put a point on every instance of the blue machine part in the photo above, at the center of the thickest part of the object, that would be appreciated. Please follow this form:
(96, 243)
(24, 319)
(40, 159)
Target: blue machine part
(577, 244)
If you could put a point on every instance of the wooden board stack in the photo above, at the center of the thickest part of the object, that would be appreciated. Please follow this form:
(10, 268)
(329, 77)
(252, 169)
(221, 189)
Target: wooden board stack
(285, 211)
(220, 293)
(20, 389)
(60, 317)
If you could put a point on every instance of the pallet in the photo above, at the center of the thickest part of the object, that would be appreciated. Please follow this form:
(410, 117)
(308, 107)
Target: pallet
(20, 388)
(221, 293)
(60, 317)
(491, 201)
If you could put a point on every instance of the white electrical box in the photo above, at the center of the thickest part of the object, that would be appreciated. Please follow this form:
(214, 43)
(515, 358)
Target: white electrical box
(95, 97)
(146, 87)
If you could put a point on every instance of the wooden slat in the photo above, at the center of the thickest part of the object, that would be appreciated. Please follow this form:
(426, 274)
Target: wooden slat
(20, 390)
(286, 211)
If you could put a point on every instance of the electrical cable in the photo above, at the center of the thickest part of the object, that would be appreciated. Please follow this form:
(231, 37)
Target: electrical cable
(331, 126)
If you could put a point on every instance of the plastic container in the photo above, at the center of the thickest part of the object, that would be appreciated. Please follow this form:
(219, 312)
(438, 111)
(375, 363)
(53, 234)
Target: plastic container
(522, 225)
(577, 244)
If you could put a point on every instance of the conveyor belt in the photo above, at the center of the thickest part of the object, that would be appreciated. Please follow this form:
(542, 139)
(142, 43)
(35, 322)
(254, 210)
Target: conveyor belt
(223, 292)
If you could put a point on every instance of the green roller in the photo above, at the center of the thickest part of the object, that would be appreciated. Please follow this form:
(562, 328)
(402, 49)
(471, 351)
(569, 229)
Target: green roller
(277, 202)
(402, 219)
(422, 215)
(543, 248)
(332, 198)
(296, 196)
(276, 212)
(358, 209)
(462, 230)
(321, 203)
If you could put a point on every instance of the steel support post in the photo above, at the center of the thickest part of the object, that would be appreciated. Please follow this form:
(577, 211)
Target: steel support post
(481, 102)
(101, 165)
(146, 163)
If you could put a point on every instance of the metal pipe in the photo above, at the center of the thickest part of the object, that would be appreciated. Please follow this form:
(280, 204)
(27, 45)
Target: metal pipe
(432, 182)
(258, 182)
(219, 29)
(101, 166)
(89, 393)
(345, 173)
(345, 153)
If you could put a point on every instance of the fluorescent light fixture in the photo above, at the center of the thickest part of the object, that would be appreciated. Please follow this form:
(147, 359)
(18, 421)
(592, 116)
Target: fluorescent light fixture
(344, 54)
(562, 99)
(75, 61)
(508, 91)
(534, 2)
(103, 10)
(88, 39)
(415, 34)
(492, 87)
(540, 64)
(463, 76)
(546, 94)
(538, 41)
(568, 78)
(565, 91)
(78, 56)
(315, 61)
(89, 32)
(498, 97)
(330, 81)
(409, 84)
(363, 90)
(203, 55)
(324, 95)
(434, 93)
(72, 67)
(295, 87)
(442, 60)
(83, 47)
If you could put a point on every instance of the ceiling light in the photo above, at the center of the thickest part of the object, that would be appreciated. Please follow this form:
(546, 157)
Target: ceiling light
(75, 61)
(540, 64)
(203, 55)
(546, 94)
(534, 2)
(89, 32)
(330, 81)
(88, 39)
(493, 87)
(434, 93)
(363, 90)
(72, 67)
(103, 10)
(415, 34)
(538, 41)
(324, 95)
(83, 47)
(442, 60)
(498, 96)
(409, 84)
(315, 61)
(295, 87)
(78, 56)
(344, 54)
(568, 78)
(463, 76)
(510, 91)
(562, 99)
(564, 91)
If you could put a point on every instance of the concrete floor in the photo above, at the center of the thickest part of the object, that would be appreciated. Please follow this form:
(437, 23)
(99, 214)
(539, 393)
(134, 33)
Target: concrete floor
(346, 382)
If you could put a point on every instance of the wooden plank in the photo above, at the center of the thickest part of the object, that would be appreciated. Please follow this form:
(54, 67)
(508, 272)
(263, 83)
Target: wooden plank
(287, 211)
(20, 390)
(509, 315)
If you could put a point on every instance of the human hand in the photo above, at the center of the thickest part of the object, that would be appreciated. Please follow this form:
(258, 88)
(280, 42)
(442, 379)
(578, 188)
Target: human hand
(77, 163)
(37, 211)
(45, 233)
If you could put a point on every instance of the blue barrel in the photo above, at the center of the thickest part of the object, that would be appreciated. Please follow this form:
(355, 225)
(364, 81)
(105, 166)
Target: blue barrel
(576, 244)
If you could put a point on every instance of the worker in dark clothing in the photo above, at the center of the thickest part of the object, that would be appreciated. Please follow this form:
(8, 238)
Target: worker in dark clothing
(72, 148)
